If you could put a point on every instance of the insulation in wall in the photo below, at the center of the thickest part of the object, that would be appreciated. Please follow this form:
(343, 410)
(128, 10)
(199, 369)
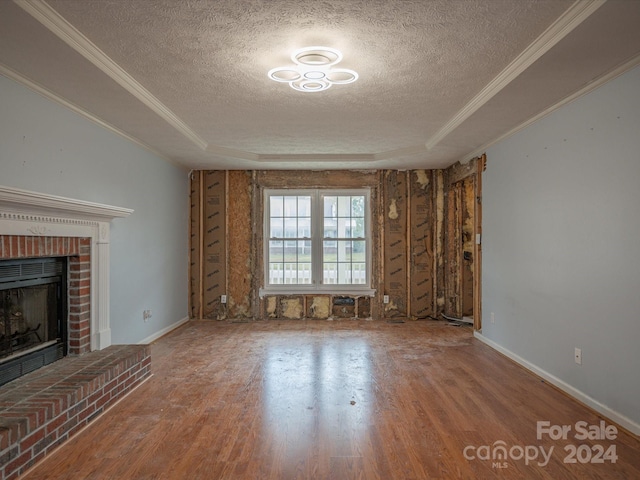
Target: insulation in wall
(410, 222)
(194, 247)
(453, 251)
(395, 243)
(343, 307)
(318, 306)
(270, 307)
(363, 308)
(239, 283)
(291, 307)
(439, 234)
(214, 243)
(460, 233)
(314, 179)
(468, 244)
(421, 280)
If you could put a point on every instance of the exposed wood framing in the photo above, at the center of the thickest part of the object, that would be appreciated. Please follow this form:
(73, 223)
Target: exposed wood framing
(256, 243)
(316, 179)
(377, 245)
(227, 235)
(195, 246)
(453, 264)
(239, 249)
(461, 256)
(422, 223)
(421, 244)
(481, 165)
(468, 200)
(439, 265)
(409, 243)
(201, 223)
(459, 171)
(214, 258)
(395, 243)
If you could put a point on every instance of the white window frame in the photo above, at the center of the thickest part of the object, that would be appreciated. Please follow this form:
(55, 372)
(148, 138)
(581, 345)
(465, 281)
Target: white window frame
(317, 237)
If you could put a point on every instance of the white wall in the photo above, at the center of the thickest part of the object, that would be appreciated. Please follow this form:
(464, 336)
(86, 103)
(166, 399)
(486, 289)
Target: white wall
(48, 149)
(561, 247)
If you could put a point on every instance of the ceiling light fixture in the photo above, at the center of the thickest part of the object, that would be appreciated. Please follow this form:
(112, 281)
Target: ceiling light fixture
(313, 70)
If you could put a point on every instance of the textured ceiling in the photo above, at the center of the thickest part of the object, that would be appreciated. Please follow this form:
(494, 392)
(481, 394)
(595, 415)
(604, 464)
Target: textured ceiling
(439, 79)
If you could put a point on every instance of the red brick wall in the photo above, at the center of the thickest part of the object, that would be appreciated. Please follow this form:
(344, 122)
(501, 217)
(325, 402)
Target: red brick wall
(79, 278)
(57, 401)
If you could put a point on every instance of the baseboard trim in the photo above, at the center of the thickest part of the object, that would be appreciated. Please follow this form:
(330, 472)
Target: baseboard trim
(163, 332)
(612, 415)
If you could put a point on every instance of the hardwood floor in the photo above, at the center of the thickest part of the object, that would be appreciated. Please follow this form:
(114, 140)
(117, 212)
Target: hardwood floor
(333, 400)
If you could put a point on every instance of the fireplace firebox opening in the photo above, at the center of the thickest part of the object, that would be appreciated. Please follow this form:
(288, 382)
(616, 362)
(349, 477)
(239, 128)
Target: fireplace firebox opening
(33, 314)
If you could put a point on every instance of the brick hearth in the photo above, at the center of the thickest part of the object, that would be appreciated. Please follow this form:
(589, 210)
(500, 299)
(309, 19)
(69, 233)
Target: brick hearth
(43, 409)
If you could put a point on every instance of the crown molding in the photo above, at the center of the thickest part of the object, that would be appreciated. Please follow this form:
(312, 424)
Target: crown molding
(16, 200)
(60, 27)
(49, 95)
(570, 19)
(400, 152)
(598, 82)
(232, 152)
(324, 157)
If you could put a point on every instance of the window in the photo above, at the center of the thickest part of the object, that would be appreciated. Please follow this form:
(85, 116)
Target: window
(317, 240)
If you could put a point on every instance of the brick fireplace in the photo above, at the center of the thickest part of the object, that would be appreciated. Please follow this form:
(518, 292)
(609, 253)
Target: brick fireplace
(34, 224)
(45, 407)
(78, 252)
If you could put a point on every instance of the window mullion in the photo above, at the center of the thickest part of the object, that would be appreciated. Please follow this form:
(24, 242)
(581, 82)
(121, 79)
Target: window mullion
(317, 235)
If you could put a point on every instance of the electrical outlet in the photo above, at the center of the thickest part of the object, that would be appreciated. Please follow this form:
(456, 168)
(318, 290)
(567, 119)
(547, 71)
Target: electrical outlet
(493, 317)
(146, 315)
(385, 299)
(223, 299)
(578, 356)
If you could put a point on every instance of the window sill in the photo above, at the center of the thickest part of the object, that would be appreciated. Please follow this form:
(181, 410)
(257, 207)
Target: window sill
(311, 290)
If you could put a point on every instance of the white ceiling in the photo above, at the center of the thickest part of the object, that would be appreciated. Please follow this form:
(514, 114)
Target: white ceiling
(440, 80)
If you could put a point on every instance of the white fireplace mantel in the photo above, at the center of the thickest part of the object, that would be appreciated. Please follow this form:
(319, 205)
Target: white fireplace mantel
(27, 213)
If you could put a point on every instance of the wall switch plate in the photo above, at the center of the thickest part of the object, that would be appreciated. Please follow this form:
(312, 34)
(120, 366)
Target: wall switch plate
(385, 299)
(578, 356)
(223, 299)
(146, 315)
(493, 317)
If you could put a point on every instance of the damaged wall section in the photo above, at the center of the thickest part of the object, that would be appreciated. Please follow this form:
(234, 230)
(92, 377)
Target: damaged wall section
(239, 244)
(462, 199)
(413, 250)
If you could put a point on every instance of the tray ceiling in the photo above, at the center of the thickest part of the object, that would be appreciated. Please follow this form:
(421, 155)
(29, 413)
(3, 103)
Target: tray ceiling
(439, 80)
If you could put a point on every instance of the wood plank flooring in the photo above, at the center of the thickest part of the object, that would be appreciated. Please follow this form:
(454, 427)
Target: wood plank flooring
(333, 400)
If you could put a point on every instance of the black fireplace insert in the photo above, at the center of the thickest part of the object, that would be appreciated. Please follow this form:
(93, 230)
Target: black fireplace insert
(33, 314)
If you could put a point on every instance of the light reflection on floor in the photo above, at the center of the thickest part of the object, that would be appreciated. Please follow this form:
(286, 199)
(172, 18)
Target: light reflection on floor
(316, 386)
